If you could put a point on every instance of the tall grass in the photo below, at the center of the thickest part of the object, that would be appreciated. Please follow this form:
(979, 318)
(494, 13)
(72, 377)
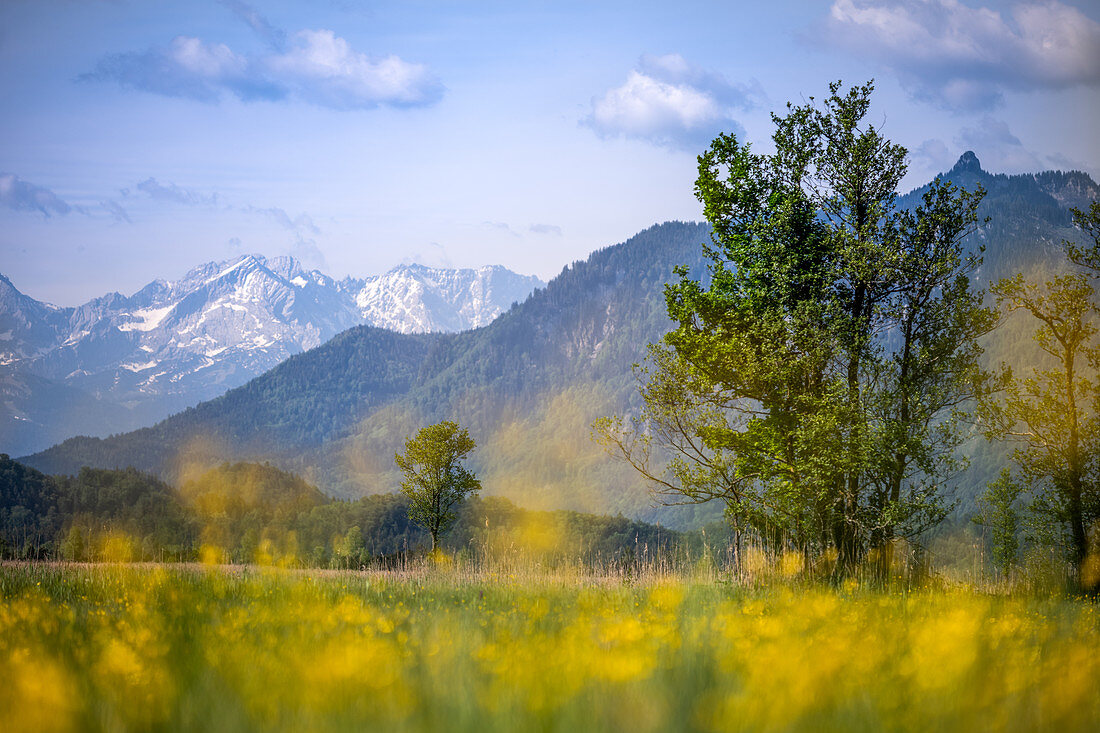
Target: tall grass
(454, 646)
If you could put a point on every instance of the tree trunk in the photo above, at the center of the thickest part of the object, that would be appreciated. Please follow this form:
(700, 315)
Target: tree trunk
(737, 549)
(1076, 518)
(850, 485)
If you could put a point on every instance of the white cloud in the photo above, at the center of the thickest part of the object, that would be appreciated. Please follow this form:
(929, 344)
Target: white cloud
(989, 132)
(998, 149)
(116, 211)
(177, 194)
(324, 69)
(433, 254)
(499, 226)
(666, 101)
(276, 37)
(994, 143)
(187, 68)
(1061, 162)
(209, 61)
(302, 247)
(553, 229)
(320, 68)
(298, 224)
(15, 193)
(306, 251)
(932, 155)
(965, 58)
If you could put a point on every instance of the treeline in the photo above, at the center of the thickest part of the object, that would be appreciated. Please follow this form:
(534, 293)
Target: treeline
(530, 384)
(829, 380)
(253, 513)
(587, 325)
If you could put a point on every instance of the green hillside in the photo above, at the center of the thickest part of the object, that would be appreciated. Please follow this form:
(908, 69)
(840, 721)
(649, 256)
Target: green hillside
(248, 512)
(529, 385)
(1029, 215)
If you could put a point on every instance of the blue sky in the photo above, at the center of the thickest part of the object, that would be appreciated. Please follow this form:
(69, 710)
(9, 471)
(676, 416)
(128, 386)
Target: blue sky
(138, 139)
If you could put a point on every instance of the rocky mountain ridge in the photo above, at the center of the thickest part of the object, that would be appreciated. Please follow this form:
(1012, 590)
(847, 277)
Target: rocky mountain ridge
(529, 385)
(175, 343)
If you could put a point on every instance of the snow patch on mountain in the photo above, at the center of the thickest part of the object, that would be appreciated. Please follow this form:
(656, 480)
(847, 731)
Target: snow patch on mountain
(419, 299)
(146, 319)
(176, 343)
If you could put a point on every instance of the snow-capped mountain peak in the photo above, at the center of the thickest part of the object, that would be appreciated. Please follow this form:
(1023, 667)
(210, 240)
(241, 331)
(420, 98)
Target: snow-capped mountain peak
(415, 298)
(177, 342)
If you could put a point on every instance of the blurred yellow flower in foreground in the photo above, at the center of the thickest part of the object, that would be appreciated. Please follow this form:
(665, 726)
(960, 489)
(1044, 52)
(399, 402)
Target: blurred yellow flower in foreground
(117, 648)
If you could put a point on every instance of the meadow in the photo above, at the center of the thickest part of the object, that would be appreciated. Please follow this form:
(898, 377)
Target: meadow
(445, 647)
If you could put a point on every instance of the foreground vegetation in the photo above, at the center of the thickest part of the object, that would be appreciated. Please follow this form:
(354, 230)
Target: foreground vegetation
(252, 513)
(822, 382)
(113, 647)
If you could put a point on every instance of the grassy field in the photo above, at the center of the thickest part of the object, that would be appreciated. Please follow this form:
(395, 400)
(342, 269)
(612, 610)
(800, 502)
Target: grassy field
(112, 647)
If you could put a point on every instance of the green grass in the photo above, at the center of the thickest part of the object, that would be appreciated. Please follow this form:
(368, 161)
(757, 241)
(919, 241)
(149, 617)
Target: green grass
(112, 647)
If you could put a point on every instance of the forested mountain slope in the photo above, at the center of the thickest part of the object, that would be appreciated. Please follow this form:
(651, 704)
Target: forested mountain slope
(1029, 214)
(529, 385)
(117, 363)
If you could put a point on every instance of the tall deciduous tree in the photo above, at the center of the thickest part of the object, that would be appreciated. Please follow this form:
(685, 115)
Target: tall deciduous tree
(435, 479)
(1054, 411)
(997, 511)
(813, 384)
(1087, 257)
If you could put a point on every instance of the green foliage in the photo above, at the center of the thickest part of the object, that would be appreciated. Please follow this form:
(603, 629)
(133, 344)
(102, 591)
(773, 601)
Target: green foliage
(531, 383)
(1000, 513)
(349, 550)
(77, 516)
(250, 509)
(257, 513)
(72, 547)
(1052, 413)
(29, 516)
(102, 504)
(435, 479)
(814, 385)
(1088, 222)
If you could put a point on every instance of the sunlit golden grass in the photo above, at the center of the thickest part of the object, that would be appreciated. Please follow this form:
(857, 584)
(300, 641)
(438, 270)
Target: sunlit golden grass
(443, 648)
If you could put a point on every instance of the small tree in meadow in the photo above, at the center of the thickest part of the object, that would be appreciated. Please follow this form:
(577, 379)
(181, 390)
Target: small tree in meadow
(998, 511)
(435, 479)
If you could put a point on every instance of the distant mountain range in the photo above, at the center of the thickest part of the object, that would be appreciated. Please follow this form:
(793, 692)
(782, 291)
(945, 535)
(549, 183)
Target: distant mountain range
(1029, 214)
(117, 362)
(529, 384)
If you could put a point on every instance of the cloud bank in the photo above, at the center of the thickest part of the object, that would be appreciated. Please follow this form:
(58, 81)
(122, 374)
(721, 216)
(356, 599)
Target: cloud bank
(316, 67)
(998, 148)
(552, 229)
(668, 102)
(965, 58)
(15, 193)
(176, 194)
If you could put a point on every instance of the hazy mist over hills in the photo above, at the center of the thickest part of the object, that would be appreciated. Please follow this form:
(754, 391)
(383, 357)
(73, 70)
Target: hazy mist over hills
(117, 362)
(530, 383)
